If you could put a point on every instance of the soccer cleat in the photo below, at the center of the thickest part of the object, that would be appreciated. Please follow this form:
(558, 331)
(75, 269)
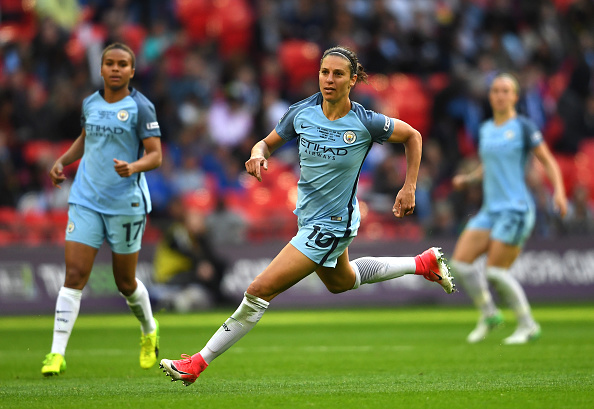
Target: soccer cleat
(431, 264)
(523, 334)
(186, 370)
(484, 326)
(149, 348)
(53, 364)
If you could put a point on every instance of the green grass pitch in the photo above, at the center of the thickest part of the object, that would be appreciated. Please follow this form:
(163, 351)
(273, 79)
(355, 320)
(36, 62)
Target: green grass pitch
(367, 358)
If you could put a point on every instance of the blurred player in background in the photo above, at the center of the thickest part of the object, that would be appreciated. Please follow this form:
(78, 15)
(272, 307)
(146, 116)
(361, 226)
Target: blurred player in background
(334, 136)
(109, 199)
(507, 215)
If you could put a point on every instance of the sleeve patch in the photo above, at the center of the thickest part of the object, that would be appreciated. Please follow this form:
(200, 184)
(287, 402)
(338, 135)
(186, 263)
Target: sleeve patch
(386, 124)
(152, 125)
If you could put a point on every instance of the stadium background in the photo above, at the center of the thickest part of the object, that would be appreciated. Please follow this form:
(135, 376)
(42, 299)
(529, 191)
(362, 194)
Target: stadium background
(222, 72)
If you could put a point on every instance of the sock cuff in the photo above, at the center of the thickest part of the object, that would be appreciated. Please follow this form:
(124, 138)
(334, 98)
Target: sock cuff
(257, 302)
(462, 267)
(494, 271)
(71, 293)
(137, 294)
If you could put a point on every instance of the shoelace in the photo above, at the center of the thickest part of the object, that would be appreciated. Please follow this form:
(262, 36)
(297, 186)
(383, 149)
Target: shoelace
(186, 357)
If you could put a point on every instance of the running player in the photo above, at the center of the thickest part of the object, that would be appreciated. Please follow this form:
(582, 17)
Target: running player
(506, 218)
(334, 136)
(109, 199)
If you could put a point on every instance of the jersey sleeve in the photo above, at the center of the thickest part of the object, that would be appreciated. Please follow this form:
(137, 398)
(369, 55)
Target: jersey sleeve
(532, 134)
(83, 113)
(379, 126)
(286, 126)
(147, 124)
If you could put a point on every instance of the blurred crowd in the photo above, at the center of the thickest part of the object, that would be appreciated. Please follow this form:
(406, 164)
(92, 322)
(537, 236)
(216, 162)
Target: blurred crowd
(222, 72)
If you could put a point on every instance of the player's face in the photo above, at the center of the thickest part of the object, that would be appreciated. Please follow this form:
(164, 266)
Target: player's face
(335, 78)
(116, 69)
(503, 95)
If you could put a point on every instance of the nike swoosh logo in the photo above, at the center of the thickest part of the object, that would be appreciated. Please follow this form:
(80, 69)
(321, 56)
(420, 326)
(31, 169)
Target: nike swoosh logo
(178, 371)
(438, 276)
(130, 244)
(62, 312)
(309, 245)
(305, 127)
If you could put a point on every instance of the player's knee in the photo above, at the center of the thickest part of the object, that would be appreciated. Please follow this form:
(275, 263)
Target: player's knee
(262, 290)
(76, 277)
(126, 287)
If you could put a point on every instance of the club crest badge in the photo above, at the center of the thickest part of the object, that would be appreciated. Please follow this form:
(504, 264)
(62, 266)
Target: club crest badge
(123, 115)
(349, 137)
(70, 227)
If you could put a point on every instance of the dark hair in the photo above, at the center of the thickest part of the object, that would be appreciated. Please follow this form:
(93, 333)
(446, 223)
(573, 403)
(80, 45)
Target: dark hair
(119, 46)
(355, 67)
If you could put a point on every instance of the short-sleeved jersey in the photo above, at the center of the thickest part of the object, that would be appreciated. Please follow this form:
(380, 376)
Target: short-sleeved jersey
(504, 151)
(331, 154)
(114, 131)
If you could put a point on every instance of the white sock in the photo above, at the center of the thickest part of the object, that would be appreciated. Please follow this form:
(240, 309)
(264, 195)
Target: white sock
(476, 286)
(140, 305)
(375, 269)
(67, 307)
(512, 292)
(240, 323)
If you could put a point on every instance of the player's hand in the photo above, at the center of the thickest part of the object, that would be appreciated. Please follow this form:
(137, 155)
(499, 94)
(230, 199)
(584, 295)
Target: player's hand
(57, 174)
(405, 202)
(459, 182)
(123, 168)
(254, 166)
(560, 203)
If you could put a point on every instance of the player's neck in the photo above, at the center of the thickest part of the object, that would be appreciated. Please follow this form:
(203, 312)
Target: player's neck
(502, 117)
(112, 96)
(336, 110)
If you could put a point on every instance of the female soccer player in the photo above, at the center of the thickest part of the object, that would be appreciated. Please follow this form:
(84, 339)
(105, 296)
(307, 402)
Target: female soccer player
(109, 199)
(506, 217)
(334, 135)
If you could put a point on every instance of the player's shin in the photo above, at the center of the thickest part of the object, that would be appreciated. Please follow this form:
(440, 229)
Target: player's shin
(376, 269)
(240, 323)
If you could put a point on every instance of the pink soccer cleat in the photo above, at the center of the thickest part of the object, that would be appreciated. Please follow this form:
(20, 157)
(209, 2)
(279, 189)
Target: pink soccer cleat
(186, 370)
(431, 264)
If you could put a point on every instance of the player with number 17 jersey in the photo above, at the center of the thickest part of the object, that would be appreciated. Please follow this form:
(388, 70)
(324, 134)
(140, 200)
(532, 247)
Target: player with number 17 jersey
(114, 130)
(331, 154)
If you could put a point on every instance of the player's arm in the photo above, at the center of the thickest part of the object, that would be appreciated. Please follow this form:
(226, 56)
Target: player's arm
(261, 152)
(150, 160)
(461, 181)
(74, 153)
(546, 158)
(413, 147)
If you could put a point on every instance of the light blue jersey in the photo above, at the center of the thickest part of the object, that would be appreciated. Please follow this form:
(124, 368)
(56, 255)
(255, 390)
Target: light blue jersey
(504, 151)
(114, 131)
(331, 154)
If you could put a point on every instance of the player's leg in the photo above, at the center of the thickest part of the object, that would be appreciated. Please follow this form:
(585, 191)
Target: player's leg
(500, 258)
(509, 233)
(84, 236)
(288, 268)
(124, 235)
(473, 242)
(348, 275)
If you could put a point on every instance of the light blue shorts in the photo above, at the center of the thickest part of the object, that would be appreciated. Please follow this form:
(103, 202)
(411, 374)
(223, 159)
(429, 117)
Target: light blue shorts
(123, 233)
(321, 244)
(510, 227)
